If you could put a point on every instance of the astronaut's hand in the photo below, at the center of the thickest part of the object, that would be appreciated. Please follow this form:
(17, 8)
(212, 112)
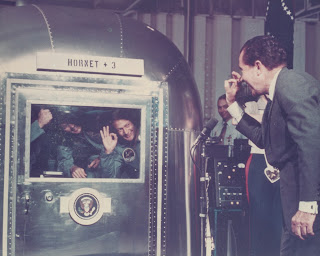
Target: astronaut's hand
(109, 139)
(77, 172)
(95, 163)
(44, 117)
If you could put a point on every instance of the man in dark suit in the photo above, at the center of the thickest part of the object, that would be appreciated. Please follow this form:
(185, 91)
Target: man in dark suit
(290, 134)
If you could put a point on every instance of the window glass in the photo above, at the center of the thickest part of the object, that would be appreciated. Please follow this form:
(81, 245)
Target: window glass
(84, 142)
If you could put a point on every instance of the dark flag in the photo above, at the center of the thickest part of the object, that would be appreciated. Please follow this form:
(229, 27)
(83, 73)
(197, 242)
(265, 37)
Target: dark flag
(279, 23)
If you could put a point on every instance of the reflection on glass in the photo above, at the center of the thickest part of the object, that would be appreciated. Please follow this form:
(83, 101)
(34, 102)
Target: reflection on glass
(84, 142)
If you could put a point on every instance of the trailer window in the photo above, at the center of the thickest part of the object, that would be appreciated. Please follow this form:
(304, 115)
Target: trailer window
(72, 141)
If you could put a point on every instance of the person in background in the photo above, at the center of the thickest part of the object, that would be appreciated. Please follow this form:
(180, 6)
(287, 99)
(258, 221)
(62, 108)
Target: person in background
(79, 149)
(121, 155)
(225, 132)
(289, 133)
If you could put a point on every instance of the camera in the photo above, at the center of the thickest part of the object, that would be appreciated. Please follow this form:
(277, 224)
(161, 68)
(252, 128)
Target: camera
(244, 93)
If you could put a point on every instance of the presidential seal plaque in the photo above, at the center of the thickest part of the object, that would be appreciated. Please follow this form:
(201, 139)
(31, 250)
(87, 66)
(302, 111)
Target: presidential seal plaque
(85, 206)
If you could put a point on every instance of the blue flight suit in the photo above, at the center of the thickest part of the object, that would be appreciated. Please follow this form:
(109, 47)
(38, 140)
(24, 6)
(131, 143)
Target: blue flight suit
(123, 162)
(80, 150)
(39, 150)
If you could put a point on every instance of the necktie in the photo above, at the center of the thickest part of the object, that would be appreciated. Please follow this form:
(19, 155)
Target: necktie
(223, 133)
(265, 124)
(266, 111)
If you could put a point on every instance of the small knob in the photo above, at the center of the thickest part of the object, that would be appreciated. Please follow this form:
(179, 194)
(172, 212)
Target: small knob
(49, 196)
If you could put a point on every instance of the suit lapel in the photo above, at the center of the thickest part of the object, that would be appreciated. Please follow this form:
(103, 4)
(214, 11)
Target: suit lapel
(266, 121)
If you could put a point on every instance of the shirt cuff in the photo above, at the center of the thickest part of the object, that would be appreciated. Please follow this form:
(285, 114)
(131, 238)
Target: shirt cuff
(236, 111)
(309, 207)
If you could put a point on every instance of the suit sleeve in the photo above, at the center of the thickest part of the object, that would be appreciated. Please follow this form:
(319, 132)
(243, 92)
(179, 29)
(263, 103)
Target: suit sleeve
(302, 111)
(251, 128)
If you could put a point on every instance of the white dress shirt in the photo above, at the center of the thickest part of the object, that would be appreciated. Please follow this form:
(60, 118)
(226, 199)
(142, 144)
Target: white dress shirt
(230, 135)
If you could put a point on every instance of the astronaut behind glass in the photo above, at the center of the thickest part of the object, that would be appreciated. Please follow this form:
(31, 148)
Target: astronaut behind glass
(121, 155)
(79, 147)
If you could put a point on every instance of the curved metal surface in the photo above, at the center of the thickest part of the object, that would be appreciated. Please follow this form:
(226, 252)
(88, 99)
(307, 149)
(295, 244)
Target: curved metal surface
(30, 29)
(26, 30)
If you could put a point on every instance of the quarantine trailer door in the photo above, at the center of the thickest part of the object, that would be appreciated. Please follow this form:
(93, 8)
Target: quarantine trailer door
(46, 210)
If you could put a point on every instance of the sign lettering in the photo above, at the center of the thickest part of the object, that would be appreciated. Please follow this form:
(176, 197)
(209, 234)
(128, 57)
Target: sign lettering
(89, 64)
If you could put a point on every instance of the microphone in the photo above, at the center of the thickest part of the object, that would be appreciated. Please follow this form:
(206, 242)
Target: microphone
(206, 130)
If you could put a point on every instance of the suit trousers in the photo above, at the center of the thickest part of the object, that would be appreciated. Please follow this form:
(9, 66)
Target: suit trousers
(264, 210)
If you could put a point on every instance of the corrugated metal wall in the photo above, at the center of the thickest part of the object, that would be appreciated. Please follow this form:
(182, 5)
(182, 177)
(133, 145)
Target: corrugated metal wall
(217, 41)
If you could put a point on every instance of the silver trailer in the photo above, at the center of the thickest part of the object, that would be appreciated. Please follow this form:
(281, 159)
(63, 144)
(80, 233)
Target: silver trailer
(69, 60)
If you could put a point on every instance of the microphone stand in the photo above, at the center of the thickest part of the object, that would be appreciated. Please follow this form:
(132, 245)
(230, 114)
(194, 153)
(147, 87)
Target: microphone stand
(206, 238)
(204, 183)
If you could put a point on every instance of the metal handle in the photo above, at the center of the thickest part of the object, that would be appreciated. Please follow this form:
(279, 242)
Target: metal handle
(26, 207)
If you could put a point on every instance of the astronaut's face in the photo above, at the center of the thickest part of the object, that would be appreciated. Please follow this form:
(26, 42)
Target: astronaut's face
(71, 128)
(125, 129)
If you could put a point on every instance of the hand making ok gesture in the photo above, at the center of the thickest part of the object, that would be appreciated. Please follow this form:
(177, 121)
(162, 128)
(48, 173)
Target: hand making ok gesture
(109, 140)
